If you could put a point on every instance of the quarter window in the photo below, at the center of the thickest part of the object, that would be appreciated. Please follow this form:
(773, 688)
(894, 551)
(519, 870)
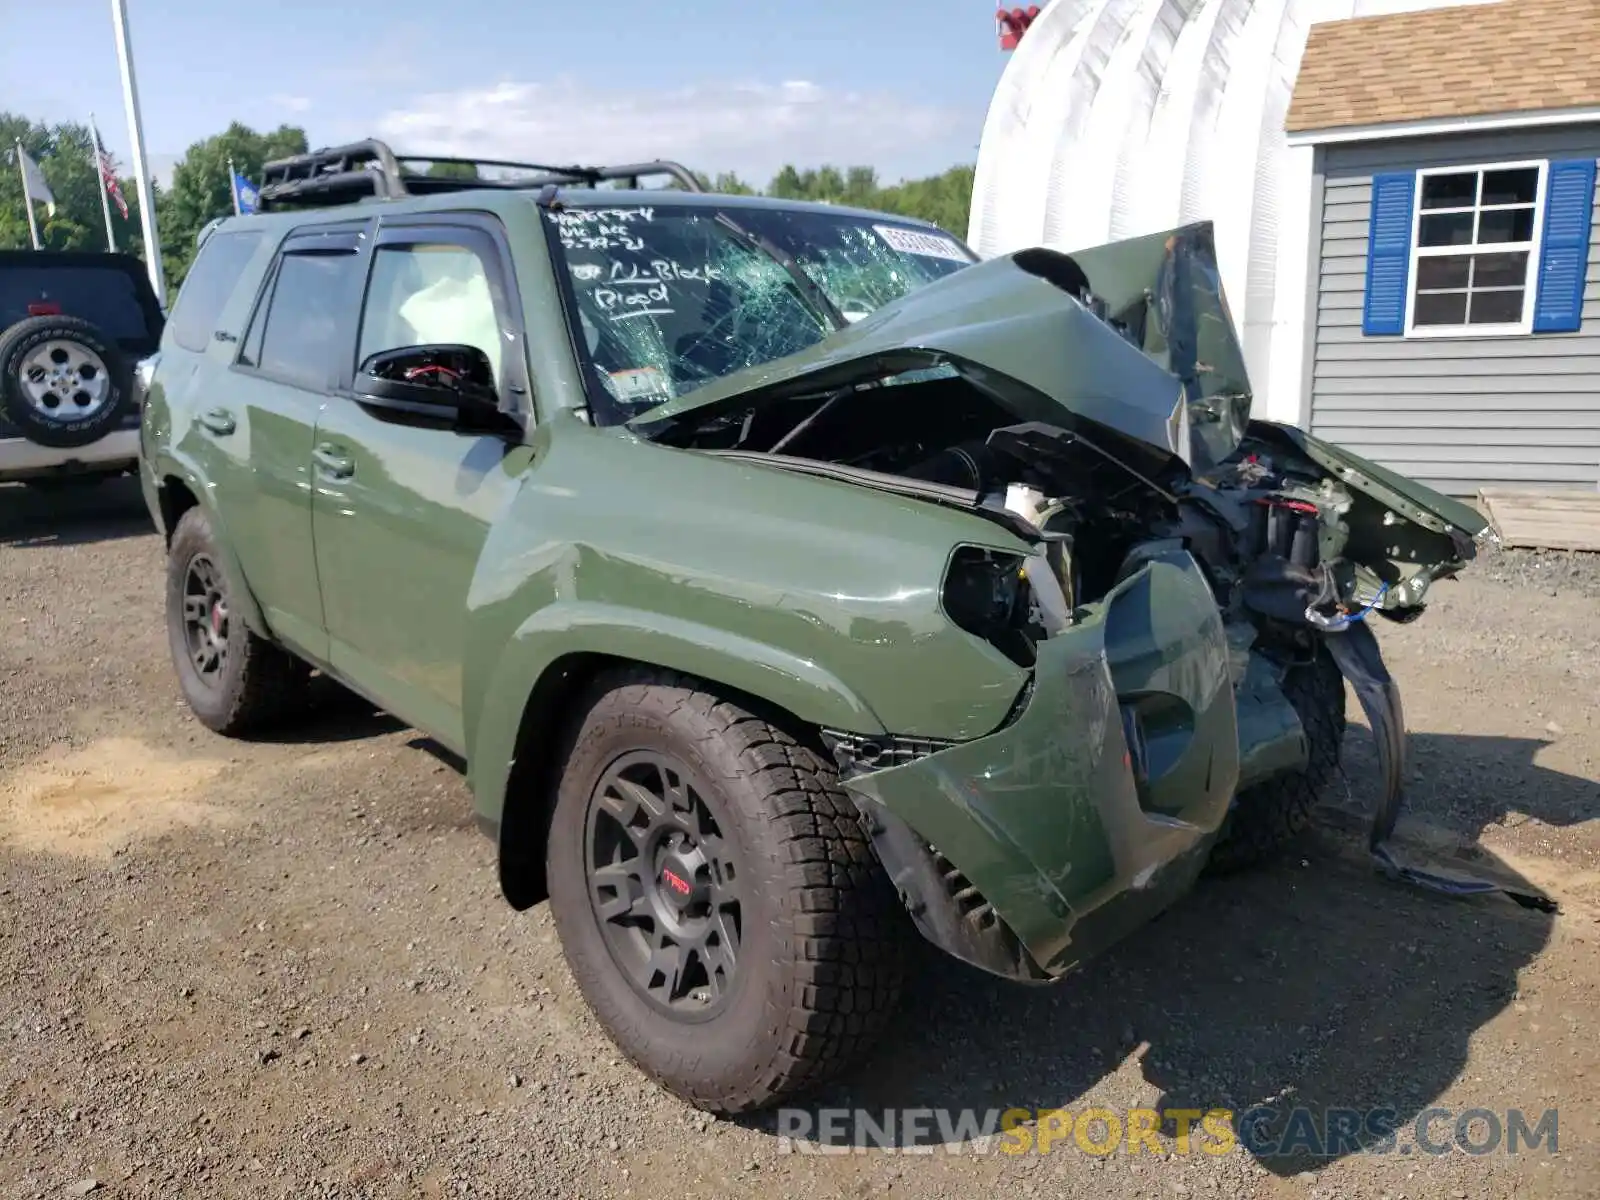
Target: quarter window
(1475, 249)
(208, 286)
(428, 294)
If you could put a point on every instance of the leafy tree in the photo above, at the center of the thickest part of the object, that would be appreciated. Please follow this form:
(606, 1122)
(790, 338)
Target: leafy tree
(730, 184)
(200, 188)
(453, 170)
(66, 158)
(945, 199)
(202, 191)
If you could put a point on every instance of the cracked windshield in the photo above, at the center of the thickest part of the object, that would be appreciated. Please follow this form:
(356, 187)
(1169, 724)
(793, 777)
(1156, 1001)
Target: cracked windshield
(672, 297)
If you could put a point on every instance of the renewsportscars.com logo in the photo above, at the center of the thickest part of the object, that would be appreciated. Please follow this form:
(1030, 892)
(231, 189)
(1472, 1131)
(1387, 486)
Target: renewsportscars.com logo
(1264, 1132)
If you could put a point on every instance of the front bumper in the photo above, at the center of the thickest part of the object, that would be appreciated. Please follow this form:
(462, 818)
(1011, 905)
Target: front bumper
(1028, 850)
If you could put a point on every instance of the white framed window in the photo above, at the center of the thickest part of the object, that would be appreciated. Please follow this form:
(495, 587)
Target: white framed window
(1475, 239)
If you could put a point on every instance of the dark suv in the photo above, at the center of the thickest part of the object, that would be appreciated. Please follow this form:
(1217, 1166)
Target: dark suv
(787, 578)
(74, 327)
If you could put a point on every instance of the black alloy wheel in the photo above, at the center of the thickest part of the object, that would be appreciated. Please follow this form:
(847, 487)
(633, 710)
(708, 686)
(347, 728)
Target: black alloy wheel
(205, 619)
(234, 680)
(664, 885)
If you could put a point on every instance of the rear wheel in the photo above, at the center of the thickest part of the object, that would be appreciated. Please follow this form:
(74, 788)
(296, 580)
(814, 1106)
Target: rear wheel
(234, 681)
(716, 897)
(1270, 815)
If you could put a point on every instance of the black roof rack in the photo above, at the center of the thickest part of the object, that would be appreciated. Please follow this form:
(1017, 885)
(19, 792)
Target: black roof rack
(345, 174)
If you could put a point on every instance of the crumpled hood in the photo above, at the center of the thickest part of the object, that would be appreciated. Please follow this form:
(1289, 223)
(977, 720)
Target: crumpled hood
(1135, 336)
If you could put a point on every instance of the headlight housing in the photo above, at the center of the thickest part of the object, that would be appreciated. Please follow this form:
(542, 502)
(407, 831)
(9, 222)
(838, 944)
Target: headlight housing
(987, 594)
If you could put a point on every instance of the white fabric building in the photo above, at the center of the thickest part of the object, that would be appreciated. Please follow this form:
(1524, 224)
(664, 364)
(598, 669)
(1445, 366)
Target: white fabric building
(1116, 118)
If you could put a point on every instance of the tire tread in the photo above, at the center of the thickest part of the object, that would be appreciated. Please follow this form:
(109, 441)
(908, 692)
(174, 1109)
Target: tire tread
(271, 682)
(844, 949)
(1276, 811)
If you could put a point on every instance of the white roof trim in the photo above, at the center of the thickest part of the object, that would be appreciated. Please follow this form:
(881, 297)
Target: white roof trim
(1531, 119)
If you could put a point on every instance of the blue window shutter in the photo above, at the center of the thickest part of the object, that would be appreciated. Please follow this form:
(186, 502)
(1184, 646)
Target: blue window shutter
(1389, 253)
(1568, 213)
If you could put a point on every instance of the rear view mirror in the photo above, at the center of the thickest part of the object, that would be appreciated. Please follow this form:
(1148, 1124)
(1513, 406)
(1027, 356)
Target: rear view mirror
(445, 382)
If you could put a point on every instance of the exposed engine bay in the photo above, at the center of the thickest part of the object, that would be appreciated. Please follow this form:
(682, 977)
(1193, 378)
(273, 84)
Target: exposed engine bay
(1097, 406)
(1282, 539)
(1299, 553)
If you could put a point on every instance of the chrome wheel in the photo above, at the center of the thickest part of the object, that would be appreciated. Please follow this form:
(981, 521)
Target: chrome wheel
(64, 381)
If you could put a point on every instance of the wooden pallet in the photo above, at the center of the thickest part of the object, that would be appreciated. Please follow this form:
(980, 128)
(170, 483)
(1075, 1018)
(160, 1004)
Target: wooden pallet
(1544, 520)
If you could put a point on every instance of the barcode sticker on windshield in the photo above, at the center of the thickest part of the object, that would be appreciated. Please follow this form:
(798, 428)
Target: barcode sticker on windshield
(916, 241)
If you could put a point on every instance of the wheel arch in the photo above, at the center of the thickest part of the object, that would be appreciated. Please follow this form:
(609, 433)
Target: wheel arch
(518, 747)
(175, 495)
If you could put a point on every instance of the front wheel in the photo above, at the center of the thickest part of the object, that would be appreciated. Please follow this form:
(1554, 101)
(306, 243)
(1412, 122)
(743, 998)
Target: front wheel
(716, 897)
(234, 681)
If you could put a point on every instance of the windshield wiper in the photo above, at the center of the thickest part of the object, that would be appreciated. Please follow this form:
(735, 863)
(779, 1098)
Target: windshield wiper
(814, 297)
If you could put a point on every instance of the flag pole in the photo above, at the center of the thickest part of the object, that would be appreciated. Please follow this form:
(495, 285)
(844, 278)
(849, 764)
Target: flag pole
(141, 170)
(27, 198)
(233, 186)
(105, 196)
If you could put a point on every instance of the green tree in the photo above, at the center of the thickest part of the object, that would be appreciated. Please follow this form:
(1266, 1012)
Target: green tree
(66, 158)
(453, 170)
(202, 191)
(200, 188)
(944, 199)
(730, 184)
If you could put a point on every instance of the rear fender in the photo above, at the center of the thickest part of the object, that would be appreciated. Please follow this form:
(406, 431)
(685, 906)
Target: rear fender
(158, 480)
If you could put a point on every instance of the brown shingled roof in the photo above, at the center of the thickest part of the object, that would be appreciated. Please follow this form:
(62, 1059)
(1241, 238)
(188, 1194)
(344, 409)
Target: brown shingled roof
(1464, 61)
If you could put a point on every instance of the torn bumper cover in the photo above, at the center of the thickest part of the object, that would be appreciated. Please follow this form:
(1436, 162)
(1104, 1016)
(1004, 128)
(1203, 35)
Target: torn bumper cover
(1028, 850)
(1356, 652)
(1277, 589)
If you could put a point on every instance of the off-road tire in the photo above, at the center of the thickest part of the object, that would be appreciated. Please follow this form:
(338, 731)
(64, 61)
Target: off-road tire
(28, 334)
(259, 685)
(824, 939)
(1271, 814)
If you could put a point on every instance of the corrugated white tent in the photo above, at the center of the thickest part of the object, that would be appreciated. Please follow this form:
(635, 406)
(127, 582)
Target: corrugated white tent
(1116, 118)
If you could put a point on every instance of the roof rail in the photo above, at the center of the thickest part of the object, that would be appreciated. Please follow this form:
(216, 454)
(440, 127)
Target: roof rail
(346, 174)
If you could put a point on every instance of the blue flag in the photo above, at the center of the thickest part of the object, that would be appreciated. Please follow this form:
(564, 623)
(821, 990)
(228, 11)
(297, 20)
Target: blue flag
(244, 193)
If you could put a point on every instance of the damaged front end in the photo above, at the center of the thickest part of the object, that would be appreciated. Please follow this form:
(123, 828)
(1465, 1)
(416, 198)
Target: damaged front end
(1097, 405)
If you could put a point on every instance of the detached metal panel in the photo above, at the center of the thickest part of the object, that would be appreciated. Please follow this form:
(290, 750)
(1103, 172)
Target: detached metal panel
(1458, 413)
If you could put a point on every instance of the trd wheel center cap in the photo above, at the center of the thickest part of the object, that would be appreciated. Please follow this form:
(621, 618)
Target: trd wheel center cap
(682, 882)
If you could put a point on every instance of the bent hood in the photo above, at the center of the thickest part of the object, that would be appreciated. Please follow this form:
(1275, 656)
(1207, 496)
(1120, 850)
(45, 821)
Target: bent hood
(1135, 336)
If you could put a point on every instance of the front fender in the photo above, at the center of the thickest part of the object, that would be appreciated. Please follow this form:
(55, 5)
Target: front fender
(561, 631)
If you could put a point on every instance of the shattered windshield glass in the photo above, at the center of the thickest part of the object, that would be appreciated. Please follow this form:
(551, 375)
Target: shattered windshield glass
(670, 298)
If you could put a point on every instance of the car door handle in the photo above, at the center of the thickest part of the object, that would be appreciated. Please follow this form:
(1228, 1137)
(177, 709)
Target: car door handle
(218, 420)
(334, 462)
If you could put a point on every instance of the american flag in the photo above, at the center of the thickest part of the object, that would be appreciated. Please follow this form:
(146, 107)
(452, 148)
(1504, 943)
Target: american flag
(108, 175)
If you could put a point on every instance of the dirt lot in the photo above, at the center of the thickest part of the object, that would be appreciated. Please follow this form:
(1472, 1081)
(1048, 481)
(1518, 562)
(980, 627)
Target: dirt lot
(284, 969)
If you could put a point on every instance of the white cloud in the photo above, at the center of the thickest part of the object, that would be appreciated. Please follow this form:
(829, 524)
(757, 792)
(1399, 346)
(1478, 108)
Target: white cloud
(292, 103)
(751, 128)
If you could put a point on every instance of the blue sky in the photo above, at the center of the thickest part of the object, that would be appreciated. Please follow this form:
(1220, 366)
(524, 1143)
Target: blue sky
(717, 84)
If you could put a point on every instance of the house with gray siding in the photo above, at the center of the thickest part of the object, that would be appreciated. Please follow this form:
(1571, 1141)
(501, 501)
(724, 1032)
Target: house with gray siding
(1452, 314)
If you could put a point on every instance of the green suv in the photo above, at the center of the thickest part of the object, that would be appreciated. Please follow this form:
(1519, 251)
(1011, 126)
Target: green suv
(788, 579)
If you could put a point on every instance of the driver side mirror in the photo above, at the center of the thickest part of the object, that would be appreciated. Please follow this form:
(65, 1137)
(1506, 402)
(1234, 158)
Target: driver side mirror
(444, 382)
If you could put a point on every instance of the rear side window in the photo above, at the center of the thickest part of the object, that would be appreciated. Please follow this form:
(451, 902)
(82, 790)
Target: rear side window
(106, 298)
(210, 282)
(303, 330)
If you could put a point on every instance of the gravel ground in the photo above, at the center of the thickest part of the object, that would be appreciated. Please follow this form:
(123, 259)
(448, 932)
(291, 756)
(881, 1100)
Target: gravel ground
(284, 968)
